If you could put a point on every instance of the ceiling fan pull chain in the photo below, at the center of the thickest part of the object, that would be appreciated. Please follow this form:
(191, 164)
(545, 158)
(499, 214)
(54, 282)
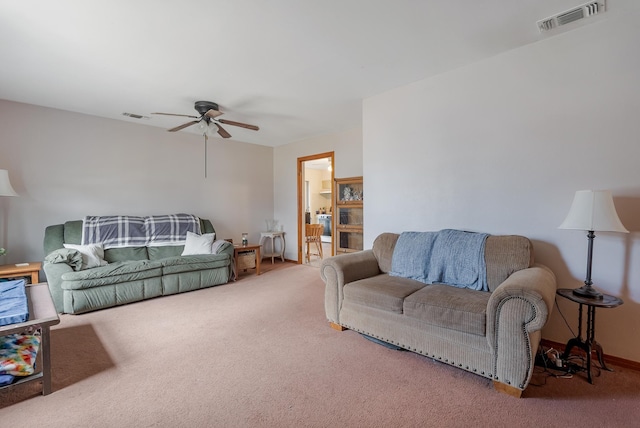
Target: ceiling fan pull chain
(205, 155)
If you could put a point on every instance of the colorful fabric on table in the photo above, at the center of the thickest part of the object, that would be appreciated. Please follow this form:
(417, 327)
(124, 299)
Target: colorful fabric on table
(18, 354)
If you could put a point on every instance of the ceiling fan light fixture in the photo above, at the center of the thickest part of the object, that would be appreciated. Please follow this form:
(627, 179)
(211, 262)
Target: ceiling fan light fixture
(205, 122)
(207, 127)
(212, 129)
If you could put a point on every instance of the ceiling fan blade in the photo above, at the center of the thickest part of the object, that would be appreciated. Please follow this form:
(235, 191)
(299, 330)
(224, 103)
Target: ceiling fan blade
(223, 133)
(184, 125)
(173, 114)
(240, 124)
(213, 113)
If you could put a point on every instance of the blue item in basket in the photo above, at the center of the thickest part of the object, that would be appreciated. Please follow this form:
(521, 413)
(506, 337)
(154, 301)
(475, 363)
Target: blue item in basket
(14, 307)
(6, 379)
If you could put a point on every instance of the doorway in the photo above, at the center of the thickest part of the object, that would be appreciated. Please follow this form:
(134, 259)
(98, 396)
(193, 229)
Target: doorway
(315, 204)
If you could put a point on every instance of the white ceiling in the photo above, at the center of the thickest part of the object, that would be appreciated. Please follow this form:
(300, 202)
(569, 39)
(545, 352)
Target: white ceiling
(295, 68)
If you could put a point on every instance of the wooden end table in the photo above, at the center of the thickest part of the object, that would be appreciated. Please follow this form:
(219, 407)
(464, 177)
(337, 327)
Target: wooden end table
(589, 344)
(237, 248)
(42, 314)
(29, 270)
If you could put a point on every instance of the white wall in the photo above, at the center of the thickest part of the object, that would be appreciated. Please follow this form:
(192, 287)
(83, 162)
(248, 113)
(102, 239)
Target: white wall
(501, 146)
(347, 148)
(66, 165)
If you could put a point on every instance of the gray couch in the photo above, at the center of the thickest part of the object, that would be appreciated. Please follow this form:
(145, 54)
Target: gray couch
(132, 274)
(494, 334)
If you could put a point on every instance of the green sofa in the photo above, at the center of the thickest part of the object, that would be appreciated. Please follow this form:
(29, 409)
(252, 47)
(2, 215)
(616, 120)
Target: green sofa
(132, 274)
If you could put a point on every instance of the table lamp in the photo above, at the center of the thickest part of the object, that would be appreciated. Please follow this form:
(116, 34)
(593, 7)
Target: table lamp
(592, 210)
(5, 184)
(5, 190)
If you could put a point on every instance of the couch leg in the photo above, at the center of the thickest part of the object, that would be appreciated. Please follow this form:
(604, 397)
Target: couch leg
(336, 326)
(507, 389)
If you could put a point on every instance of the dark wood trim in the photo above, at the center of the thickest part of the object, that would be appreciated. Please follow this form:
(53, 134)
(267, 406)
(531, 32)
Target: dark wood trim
(620, 362)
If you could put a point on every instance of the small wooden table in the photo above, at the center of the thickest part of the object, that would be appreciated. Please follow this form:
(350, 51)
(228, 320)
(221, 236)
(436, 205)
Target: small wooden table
(30, 270)
(249, 247)
(42, 314)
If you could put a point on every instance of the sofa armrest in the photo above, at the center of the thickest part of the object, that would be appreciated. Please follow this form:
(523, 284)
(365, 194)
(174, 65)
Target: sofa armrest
(54, 272)
(225, 247)
(340, 270)
(516, 312)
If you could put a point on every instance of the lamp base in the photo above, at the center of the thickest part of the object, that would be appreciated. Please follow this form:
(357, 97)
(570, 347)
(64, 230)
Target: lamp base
(588, 292)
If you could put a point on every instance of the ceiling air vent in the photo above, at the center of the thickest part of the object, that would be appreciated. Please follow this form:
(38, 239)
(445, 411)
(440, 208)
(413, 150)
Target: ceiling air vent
(583, 11)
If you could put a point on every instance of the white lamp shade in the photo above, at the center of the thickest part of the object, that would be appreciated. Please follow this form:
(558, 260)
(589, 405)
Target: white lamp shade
(5, 184)
(593, 210)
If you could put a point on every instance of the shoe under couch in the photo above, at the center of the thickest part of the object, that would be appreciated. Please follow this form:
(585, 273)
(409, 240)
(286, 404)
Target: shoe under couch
(130, 273)
(493, 333)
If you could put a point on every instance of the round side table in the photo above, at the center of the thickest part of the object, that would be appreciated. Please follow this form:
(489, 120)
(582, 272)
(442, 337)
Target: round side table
(589, 344)
(273, 236)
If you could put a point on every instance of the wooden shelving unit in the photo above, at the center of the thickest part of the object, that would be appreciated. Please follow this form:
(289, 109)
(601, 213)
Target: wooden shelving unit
(348, 224)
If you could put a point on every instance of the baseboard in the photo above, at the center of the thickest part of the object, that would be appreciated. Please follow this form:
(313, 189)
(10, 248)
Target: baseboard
(620, 362)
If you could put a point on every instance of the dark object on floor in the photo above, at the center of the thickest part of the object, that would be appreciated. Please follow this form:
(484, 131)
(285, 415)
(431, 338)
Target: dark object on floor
(380, 342)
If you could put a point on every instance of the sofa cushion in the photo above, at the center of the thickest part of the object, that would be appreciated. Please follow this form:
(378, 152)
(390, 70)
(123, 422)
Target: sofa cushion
(504, 255)
(163, 252)
(458, 309)
(180, 264)
(383, 248)
(73, 232)
(113, 273)
(53, 238)
(381, 292)
(125, 254)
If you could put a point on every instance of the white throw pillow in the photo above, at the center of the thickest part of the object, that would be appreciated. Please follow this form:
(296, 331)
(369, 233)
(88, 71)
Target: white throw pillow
(198, 244)
(92, 255)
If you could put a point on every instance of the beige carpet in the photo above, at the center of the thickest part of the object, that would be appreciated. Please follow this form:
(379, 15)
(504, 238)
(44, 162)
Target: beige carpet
(259, 353)
(316, 260)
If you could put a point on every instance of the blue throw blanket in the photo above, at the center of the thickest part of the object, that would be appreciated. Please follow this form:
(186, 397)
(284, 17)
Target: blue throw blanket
(14, 307)
(132, 231)
(451, 257)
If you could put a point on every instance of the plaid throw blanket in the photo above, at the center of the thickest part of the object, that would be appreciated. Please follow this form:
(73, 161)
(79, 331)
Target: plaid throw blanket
(170, 229)
(132, 231)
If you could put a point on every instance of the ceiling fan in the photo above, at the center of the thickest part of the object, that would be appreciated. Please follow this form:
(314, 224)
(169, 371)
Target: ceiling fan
(208, 120)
